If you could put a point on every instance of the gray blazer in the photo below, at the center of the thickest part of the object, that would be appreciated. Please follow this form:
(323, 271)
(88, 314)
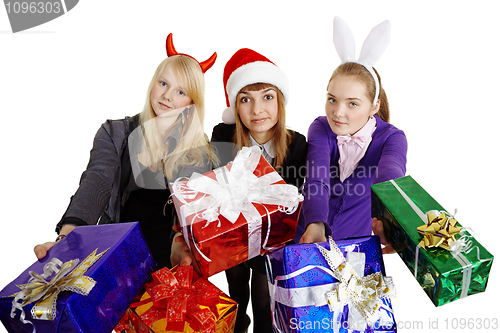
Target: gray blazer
(108, 181)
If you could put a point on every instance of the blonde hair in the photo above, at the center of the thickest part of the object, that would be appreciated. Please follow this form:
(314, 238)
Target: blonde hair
(360, 72)
(281, 138)
(192, 147)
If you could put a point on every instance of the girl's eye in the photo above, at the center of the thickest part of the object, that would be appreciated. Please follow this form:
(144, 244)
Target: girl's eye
(353, 104)
(182, 93)
(268, 97)
(244, 100)
(163, 84)
(331, 100)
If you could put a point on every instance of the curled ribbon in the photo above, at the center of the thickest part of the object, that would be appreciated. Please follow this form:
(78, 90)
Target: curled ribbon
(235, 191)
(176, 298)
(363, 294)
(67, 277)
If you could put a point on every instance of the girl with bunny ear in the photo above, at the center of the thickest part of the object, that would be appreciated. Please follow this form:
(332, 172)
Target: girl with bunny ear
(353, 146)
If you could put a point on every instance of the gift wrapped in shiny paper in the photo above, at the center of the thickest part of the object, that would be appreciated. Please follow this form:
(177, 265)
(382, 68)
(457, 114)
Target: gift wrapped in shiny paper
(445, 259)
(236, 212)
(330, 287)
(84, 284)
(180, 301)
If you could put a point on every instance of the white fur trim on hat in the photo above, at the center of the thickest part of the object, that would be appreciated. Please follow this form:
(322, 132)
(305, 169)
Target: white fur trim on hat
(254, 72)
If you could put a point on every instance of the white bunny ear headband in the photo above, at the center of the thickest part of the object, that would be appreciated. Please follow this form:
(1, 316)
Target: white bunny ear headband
(373, 47)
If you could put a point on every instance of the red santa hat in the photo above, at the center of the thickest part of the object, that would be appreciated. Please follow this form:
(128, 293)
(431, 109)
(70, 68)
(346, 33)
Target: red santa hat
(248, 67)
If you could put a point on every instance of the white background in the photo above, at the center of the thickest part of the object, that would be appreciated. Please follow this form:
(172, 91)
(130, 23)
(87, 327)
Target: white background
(61, 80)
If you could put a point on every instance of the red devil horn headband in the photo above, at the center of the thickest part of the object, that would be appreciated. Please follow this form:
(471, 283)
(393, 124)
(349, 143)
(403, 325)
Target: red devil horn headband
(205, 65)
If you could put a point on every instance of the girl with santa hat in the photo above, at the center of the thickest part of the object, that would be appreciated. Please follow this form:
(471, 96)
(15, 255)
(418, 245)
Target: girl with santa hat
(256, 94)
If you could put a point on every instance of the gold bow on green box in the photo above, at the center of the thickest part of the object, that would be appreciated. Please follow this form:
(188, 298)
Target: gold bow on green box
(440, 231)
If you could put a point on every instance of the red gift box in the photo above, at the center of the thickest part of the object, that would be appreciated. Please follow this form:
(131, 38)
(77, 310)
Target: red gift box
(236, 212)
(180, 301)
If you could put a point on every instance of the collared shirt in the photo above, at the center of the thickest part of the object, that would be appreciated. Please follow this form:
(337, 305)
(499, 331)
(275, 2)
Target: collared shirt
(352, 148)
(267, 149)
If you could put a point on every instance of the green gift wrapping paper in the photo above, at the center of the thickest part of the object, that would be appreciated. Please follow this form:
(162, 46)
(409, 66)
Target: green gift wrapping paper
(441, 274)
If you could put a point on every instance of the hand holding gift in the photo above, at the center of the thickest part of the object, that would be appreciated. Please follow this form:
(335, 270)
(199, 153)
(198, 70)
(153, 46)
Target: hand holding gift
(378, 229)
(42, 249)
(315, 233)
(180, 253)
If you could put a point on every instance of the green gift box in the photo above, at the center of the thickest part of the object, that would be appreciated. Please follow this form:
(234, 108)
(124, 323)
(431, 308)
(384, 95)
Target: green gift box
(402, 205)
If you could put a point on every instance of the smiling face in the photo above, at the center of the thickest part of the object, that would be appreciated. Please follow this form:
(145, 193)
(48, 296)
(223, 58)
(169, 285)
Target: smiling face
(167, 93)
(258, 111)
(348, 106)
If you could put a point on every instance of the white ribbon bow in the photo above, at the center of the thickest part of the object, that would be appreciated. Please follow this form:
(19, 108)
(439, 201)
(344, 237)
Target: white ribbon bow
(362, 293)
(234, 191)
(338, 294)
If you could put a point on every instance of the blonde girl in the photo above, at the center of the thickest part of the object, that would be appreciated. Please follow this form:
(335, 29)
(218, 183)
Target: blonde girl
(125, 178)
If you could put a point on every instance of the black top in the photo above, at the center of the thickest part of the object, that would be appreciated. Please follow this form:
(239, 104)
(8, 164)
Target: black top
(151, 209)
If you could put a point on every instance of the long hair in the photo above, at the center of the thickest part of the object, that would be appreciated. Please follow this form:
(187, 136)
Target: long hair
(192, 147)
(360, 72)
(281, 138)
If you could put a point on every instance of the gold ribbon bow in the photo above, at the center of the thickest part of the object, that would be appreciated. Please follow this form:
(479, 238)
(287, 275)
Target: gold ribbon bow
(44, 292)
(440, 231)
(363, 292)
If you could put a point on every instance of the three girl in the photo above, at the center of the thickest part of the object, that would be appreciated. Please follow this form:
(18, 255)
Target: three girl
(350, 148)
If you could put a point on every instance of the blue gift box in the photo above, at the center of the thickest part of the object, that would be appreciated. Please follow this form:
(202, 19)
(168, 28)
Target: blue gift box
(114, 256)
(300, 277)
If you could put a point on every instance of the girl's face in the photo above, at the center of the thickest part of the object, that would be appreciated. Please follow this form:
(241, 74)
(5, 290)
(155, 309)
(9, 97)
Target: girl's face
(258, 111)
(348, 106)
(167, 94)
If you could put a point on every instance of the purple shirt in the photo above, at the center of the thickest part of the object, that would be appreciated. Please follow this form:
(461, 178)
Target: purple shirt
(345, 207)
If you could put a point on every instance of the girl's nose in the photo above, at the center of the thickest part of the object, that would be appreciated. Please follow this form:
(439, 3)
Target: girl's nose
(258, 107)
(339, 111)
(167, 95)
